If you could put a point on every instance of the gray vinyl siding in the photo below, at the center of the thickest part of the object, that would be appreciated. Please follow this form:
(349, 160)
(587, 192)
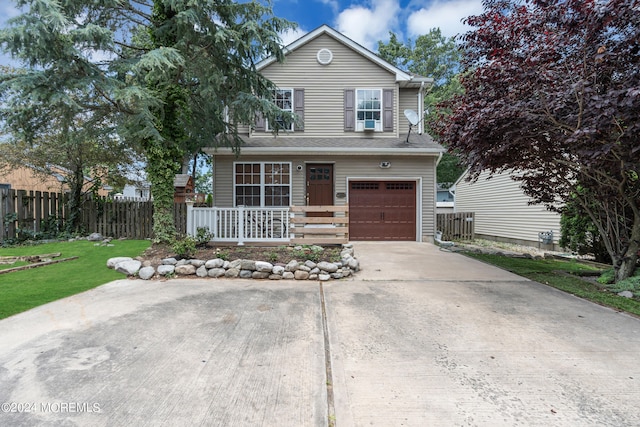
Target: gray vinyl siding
(324, 85)
(502, 210)
(408, 101)
(417, 168)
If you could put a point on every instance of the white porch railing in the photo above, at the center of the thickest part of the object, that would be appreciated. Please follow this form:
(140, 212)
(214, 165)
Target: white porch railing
(241, 224)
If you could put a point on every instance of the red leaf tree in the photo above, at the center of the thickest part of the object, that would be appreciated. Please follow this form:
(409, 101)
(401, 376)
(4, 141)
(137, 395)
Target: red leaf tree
(552, 89)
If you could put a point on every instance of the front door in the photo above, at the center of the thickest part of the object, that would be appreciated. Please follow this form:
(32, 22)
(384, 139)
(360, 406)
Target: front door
(319, 187)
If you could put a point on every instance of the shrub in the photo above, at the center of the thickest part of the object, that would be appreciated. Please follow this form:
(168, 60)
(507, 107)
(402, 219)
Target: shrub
(184, 246)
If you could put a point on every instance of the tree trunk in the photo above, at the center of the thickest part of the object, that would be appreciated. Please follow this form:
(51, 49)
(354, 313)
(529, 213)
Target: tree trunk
(626, 265)
(76, 181)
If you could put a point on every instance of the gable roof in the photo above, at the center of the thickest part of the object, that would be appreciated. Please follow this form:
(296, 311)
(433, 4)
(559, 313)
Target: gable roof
(405, 79)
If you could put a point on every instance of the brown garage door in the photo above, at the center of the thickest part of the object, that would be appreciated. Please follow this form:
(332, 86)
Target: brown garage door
(380, 210)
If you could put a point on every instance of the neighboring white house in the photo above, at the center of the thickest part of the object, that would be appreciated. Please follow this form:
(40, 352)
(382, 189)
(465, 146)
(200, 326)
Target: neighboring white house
(445, 200)
(502, 211)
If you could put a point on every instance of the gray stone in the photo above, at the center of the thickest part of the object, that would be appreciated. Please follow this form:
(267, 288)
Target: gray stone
(185, 270)
(245, 274)
(169, 261)
(336, 275)
(310, 264)
(291, 265)
(201, 271)
(232, 272)
(301, 275)
(95, 237)
(165, 270)
(263, 266)
(226, 265)
(214, 263)
(275, 277)
(183, 262)
(626, 294)
(354, 264)
(313, 276)
(323, 277)
(146, 273)
(216, 272)
(247, 264)
(128, 267)
(236, 263)
(112, 262)
(278, 269)
(146, 263)
(329, 267)
(197, 263)
(288, 275)
(303, 268)
(315, 270)
(260, 275)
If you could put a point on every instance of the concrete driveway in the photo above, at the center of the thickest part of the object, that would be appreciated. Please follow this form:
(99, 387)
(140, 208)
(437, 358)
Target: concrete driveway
(420, 337)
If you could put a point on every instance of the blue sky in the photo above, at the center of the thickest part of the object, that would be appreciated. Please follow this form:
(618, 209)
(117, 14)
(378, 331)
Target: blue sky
(365, 21)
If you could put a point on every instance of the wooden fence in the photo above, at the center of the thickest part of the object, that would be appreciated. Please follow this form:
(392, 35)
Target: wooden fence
(42, 212)
(320, 229)
(456, 226)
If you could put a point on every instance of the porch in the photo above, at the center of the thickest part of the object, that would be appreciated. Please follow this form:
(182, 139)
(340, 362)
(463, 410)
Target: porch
(285, 225)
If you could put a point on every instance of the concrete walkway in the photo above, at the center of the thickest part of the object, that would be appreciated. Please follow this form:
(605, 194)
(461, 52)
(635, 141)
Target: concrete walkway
(420, 337)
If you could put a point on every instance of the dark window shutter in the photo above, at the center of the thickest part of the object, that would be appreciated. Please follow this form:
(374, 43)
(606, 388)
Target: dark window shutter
(298, 105)
(260, 123)
(349, 110)
(387, 106)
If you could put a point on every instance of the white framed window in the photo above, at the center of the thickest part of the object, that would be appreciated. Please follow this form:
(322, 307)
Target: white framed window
(368, 110)
(283, 98)
(263, 184)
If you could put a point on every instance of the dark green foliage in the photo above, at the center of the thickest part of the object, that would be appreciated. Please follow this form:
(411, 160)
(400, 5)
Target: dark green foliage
(551, 90)
(579, 234)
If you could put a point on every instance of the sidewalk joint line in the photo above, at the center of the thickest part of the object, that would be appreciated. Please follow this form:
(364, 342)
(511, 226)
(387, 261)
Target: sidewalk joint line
(331, 410)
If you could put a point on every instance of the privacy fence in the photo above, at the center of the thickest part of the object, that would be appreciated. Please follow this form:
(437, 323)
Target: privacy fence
(33, 213)
(37, 213)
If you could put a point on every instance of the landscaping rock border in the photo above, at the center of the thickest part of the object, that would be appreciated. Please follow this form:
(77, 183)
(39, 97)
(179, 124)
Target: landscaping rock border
(241, 268)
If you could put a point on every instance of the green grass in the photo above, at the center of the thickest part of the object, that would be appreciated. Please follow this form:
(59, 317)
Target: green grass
(23, 290)
(563, 275)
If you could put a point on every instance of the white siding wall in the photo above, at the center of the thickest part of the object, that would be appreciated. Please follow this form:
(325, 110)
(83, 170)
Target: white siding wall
(350, 167)
(408, 100)
(324, 85)
(502, 210)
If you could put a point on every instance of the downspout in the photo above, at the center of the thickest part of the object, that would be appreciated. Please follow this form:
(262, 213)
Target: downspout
(421, 108)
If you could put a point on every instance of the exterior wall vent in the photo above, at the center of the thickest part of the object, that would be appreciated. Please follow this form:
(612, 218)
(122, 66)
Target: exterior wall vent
(324, 56)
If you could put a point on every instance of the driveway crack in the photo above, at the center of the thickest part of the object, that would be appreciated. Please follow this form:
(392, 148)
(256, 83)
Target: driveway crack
(331, 410)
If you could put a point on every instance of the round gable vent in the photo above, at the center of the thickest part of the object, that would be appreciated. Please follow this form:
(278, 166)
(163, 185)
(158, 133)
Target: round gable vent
(324, 56)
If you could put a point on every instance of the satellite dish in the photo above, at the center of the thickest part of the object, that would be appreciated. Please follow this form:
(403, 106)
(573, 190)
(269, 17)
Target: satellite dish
(412, 116)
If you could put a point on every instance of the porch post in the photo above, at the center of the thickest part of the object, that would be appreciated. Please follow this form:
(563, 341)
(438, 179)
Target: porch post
(240, 225)
(190, 221)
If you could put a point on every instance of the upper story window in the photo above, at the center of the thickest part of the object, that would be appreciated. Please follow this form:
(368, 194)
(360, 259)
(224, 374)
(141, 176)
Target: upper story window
(283, 98)
(369, 109)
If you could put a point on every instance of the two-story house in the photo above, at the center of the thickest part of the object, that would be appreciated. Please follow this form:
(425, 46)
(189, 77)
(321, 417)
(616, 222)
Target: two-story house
(352, 146)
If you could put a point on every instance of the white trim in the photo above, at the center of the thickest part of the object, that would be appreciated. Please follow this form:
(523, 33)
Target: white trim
(293, 109)
(418, 189)
(354, 151)
(262, 184)
(379, 125)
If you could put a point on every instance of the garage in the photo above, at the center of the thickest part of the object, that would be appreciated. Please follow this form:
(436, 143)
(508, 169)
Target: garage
(382, 210)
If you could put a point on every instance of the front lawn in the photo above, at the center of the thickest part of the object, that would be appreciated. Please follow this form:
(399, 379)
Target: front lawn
(23, 290)
(563, 275)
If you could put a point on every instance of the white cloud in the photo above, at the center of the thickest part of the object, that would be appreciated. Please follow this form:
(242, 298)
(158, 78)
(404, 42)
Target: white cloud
(333, 4)
(290, 36)
(367, 25)
(446, 15)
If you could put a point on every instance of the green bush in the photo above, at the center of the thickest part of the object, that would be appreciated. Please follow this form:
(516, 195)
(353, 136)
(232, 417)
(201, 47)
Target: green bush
(631, 284)
(607, 277)
(184, 246)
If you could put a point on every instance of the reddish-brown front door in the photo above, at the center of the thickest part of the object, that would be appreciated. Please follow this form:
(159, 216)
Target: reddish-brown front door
(380, 210)
(319, 187)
